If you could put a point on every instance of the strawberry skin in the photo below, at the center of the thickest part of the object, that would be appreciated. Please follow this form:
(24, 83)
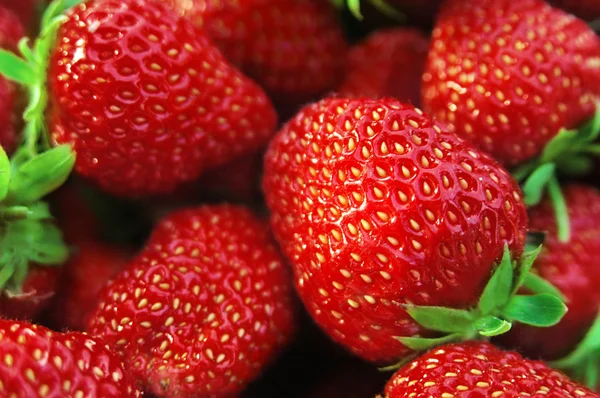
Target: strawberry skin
(376, 205)
(572, 268)
(388, 63)
(11, 32)
(293, 48)
(93, 264)
(38, 290)
(146, 100)
(203, 308)
(508, 75)
(37, 362)
(478, 369)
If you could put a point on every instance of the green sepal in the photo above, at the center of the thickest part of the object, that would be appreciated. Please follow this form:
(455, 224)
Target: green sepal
(13, 213)
(50, 248)
(524, 268)
(490, 326)
(497, 292)
(424, 344)
(16, 69)
(382, 6)
(41, 175)
(541, 310)
(588, 347)
(561, 213)
(577, 164)
(562, 142)
(4, 174)
(441, 319)
(590, 131)
(591, 374)
(535, 185)
(539, 285)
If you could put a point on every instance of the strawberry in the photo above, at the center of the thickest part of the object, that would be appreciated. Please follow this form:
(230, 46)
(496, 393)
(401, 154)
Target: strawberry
(585, 9)
(388, 63)
(11, 31)
(203, 308)
(24, 10)
(293, 48)
(509, 75)
(382, 211)
(478, 369)
(37, 362)
(144, 107)
(36, 293)
(90, 268)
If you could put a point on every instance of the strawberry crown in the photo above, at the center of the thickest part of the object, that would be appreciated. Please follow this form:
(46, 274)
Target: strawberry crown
(27, 232)
(381, 5)
(498, 308)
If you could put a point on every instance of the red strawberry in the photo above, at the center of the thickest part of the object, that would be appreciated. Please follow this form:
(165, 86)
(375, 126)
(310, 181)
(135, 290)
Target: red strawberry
(508, 75)
(388, 63)
(378, 206)
(203, 308)
(34, 296)
(478, 369)
(145, 99)
(87, 272)
(585, 9)
(294, 48)
(75, 218)
(37, 362)
(569, 266)
(11, 31)
(24, 10)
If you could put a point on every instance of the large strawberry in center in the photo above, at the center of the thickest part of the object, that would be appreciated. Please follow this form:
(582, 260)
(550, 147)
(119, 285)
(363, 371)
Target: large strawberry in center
(377, 206)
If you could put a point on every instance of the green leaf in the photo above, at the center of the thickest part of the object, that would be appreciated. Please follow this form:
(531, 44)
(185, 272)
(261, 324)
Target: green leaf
(13, 213)
(15, 68)
(41, 175)
(354, 7)
(590, 131)
(591, 374)
(424, 344)
(542, 310)
(576, 164)
(40, 211)
(7, 267)
(497, 291)
(50, 249)
(534, 186)
(561, 143)
(490, 326)
(4, 174)
(561, 213)
(441, 319)
(539, 285)
(588, 347)
(524, 267)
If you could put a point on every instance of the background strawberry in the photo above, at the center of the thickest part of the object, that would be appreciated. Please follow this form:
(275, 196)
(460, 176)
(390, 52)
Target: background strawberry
(203, 308)
(33, 297)
(376, 205)
(509, 75)
(478, 369)
(388, 63)
(37, 362)
(585, 9)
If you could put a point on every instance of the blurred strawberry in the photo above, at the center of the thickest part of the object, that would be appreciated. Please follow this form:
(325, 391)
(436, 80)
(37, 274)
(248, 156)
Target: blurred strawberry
(588, 10)
(388, 63)
(33, 297)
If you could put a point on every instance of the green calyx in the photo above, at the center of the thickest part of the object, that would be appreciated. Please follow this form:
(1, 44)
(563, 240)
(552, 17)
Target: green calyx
(355, 8)
(584, 362)
(27, 231)
(498, 308)
(570, 152)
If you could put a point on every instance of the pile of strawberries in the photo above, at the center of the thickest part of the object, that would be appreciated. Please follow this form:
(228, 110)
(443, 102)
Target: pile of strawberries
(299, 198)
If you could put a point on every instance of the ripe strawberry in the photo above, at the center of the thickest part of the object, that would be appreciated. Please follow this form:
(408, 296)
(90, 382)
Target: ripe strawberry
(203, 308)
(37, 362)
(478, 369)
(90, 268)
(508, 75)
(11, 31)
(584, 9)
(569, 266)
(34, 296)
(24, 10)
(293, 48)
(377, 206)
(388, 63)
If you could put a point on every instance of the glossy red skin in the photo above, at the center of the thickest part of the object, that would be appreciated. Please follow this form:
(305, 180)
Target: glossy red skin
(92, 265)
(389, 63)
(208, 304)
(166, 107)
(11, 31)
(478, 369)
(36, 294)
(294, 48)
(348, 233)
(572, 267)
(37, 362)
(588, 10)
(510, 90)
